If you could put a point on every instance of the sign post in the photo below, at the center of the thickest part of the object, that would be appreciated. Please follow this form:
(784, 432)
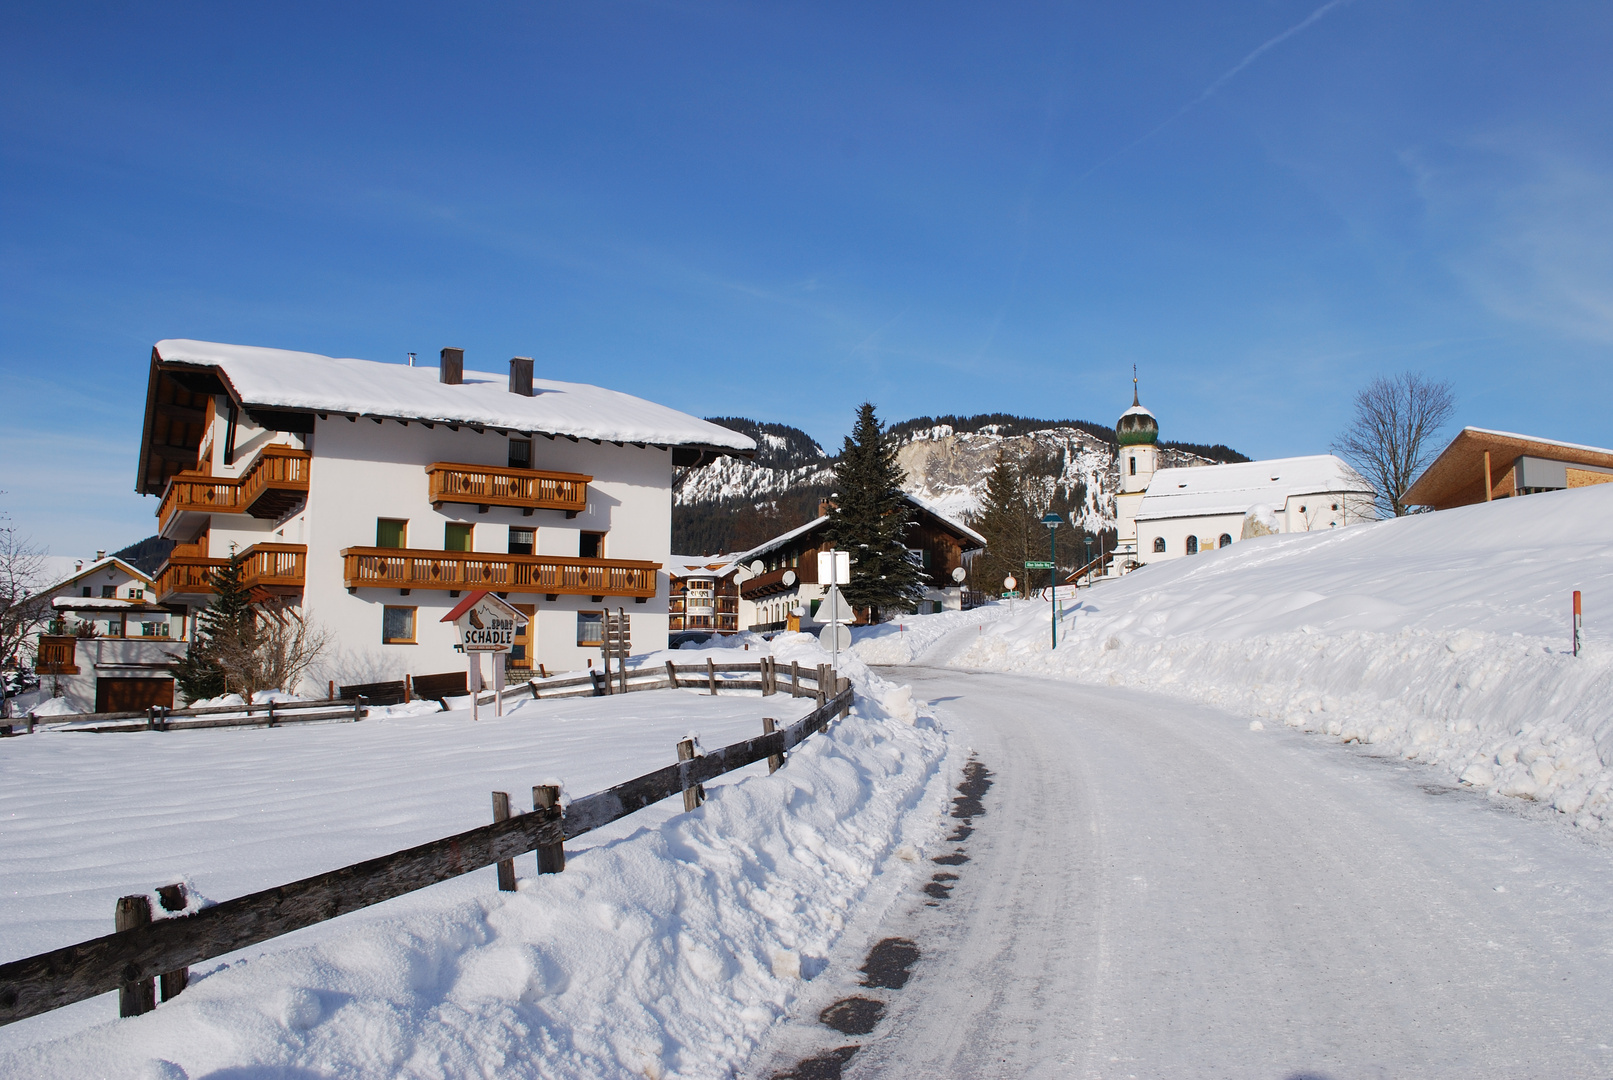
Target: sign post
(1052, 521)
(834, 570)
(485, 624)
(1576, 622)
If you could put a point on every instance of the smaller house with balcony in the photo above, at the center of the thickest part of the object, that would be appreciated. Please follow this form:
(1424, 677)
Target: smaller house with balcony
(705, 594)
(374, 495)
(1481, 465)
(780, 578)
(108, 645)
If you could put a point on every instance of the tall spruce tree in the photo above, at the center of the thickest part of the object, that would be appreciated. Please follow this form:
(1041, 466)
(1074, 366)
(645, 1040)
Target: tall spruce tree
(1006, 521)
(870, 520)
(223, 655)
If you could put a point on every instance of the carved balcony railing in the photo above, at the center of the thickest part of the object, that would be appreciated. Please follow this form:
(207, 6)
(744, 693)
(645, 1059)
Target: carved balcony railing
(273, 485)
(529, 489)
(267, 569)
(419, 568)
(57, 655)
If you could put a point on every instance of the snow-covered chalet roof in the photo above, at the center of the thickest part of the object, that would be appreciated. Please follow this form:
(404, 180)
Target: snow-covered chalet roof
(1232, 489)
(102, 603)
(715, 566)
(283, 379)
(110, 562)
(817, 522)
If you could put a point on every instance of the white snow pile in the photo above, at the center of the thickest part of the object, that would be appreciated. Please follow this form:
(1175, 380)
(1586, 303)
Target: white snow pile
(669, 946)
(1443, 638)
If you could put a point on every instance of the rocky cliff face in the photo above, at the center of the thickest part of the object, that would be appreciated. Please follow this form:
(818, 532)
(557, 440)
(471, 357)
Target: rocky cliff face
(945, 466)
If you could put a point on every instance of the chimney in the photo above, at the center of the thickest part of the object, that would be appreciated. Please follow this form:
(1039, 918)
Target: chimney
(521, 375)
(452, 371)
(824, 506)
(99, 555)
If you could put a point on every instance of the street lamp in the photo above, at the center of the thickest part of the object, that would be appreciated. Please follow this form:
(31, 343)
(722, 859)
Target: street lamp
(1086, 538)
(1052, 521)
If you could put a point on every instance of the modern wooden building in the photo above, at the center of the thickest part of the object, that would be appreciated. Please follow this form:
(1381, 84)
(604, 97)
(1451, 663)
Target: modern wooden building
(1480, 465)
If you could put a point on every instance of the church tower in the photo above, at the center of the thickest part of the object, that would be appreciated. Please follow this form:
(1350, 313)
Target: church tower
(1136, 433)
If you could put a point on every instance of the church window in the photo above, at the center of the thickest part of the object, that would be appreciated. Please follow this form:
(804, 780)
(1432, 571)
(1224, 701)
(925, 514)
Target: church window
(1226, 540)
(1192, 545)
(1159, 543)
(1302, 509)
(1335, 507)
(1134, 464)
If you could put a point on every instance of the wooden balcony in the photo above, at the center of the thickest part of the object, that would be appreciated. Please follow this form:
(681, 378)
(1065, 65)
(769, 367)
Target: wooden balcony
(58, 655)
(773, 582)
(484, 486)
(266, 569)
(274, 484)
(418, 568)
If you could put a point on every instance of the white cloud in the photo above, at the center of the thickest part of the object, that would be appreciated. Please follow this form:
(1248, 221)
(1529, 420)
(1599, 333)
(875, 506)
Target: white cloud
(1529, 230)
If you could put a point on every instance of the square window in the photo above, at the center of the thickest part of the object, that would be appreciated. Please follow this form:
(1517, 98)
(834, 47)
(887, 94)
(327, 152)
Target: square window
(109, 592)
(391, 533)
(397, 626)
(590, 628)
(520, 453)
(523, 541)
(86, 590)
(590, 545)
(456, 537)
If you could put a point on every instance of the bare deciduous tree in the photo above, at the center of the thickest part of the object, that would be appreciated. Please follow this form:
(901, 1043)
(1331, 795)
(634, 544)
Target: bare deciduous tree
(289, 643)
(1391, 437)
(22, 568)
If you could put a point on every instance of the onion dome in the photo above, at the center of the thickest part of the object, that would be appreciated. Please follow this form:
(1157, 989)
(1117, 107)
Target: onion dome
(1136, 425)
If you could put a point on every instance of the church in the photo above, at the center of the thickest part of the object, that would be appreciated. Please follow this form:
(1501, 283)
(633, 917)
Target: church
(1170, 513)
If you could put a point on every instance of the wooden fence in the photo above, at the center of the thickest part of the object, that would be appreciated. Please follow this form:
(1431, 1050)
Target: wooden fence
(141, 950)
(772, 678)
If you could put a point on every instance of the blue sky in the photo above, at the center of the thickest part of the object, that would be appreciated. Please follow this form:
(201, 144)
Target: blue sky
(781, 210)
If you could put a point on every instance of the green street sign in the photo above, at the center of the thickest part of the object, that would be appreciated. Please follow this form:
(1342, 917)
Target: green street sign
(1038, 566)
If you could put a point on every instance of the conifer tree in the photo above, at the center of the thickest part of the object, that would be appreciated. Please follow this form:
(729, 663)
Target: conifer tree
(871, 518)
(223, 655)
(1005, 520)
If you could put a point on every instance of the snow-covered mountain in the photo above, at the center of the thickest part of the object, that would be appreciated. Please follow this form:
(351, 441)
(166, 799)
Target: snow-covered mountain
(948, 461)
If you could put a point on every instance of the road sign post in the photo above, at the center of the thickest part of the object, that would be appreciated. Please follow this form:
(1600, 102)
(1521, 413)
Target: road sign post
(1052, 521)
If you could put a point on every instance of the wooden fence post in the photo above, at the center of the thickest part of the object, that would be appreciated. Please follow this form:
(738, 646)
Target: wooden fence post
(775, 762)
(358, 708)
(332, 696)
(551, 857)
(506, 867)
(408, 688)
(172, 899)
(140, 996)
(823, 678)
(151, 718)
(767, 672)
(672, 674)
(711, 677)
(271, 713)
(695, 794)
(795, 678)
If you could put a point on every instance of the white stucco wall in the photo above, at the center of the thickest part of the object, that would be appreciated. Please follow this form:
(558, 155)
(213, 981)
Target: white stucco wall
(1299, 513)
(362, 471)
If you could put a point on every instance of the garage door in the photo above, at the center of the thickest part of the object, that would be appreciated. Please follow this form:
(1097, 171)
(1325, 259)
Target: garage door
(128, 695)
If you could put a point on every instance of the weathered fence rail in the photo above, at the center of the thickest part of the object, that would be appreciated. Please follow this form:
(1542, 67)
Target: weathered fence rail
(269, 714)
(130, 958)
(353, 705)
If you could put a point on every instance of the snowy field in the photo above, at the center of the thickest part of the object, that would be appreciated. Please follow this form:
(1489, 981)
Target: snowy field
(671, 943)
(1442, 638)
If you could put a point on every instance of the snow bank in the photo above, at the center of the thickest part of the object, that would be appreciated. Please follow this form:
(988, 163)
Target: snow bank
(1443, 638)
(668, 948)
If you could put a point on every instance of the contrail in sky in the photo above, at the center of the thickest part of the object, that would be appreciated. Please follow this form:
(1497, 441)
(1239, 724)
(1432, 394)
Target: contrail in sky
(1218, 83)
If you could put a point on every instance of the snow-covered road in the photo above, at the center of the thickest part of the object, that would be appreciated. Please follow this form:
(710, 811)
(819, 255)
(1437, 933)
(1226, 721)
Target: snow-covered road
(1156, 890)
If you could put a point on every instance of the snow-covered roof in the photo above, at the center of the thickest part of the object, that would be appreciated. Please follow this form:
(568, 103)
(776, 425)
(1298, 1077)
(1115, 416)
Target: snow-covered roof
(1538, 439)
(1137, 410)
(110, 562)
(102, 603)
(715, 566)
(951, 522)
(922, 504)
(783, 538)
(283, 379)
(1233, 489)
